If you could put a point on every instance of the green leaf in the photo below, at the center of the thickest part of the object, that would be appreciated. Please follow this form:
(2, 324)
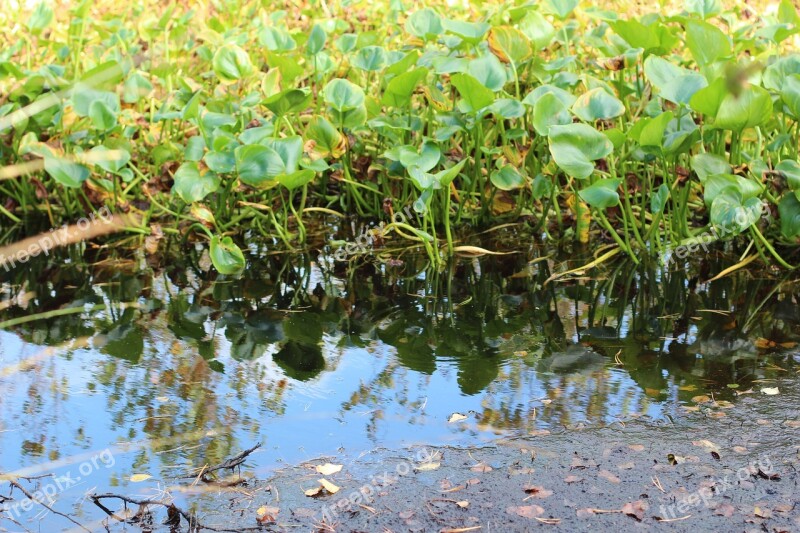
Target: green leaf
(192, 186)
(574, 147)
(538, 29)
(258, 165)
(276, 39)
(102, 117)
(425, 24)
(597, 104)
(288, 101)
(295, 180)
(704, 8)
(327, 139)
(716, 184)
(231, 64)
(471, 32)
(602, 194)
(509, 45)
(370, 58)
(226, 256)
(399, 90)
(652, 131)
(507, 178)
(489, 71)
(675, 84)
(474, 95)
(561, 8)
(706, 165)
(549, 111)
(789, 212)
(111, 161)
(658, 201)
(752, 107)
(136, 87)
(731, 215)
(708, 99)
(790, 95)
(343, 95)
(66, 172)
(40, 19)
(790, 171)
(444, 177)
(706, 42)
(316, 40)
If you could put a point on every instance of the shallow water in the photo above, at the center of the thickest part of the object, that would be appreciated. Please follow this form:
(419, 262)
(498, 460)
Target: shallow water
(182, 370)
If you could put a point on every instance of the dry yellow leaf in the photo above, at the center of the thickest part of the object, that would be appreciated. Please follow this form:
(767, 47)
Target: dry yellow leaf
(327, 485)
(425, 467)
(456, 417)
(328, 469)
(136, 478)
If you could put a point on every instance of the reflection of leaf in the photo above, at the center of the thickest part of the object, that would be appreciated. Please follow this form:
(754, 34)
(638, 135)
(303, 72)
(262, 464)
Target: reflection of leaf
(136, 478)
(456, 417)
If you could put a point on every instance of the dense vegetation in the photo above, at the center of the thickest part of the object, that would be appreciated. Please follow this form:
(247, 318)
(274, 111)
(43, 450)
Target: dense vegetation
(243, 119)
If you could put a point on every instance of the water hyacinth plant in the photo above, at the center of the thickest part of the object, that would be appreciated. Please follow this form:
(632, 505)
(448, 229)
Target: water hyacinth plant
(647, 131)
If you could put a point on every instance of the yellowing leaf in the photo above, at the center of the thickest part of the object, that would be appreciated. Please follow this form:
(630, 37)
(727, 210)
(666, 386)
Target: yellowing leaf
(456, 417)
(327, 485)
(328, 469)
(425, 467)
(136, 478)
(313, 492)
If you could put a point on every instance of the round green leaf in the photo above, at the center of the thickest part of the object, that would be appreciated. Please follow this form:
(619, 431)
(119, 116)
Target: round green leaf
(602, 193)
(226, 256)
(192, 186)
(507, 178)
(231, 63)
(574, 147)
(597, 104)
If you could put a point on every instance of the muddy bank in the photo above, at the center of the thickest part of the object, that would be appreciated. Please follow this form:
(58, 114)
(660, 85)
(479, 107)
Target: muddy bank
(720, 468)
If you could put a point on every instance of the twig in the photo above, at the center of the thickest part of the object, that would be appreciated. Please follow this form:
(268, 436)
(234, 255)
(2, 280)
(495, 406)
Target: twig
(230, 463)
(32, 498)
(173, 512)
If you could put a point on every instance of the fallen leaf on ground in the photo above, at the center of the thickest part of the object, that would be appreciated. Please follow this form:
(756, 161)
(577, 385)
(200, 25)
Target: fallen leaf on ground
(481, 467)
(328, 469)
(313, 492)
(626, 466)
(526, 511)
(572, 479)
(605, 474)
(635, 509)
(463, 504)
(456, 417)
(136, 478)
(327, 485)
(537, 492)
(762, 512)
(473, 481)
(405, 515)
(724, 509)
(636, 447)
(266, 514)
(539, 432)
(426, 467)
(770, 391)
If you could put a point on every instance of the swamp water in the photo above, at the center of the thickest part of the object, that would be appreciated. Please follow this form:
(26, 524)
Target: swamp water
(169, 369)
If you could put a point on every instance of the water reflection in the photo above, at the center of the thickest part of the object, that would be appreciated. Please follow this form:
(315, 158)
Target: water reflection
(309, 357)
